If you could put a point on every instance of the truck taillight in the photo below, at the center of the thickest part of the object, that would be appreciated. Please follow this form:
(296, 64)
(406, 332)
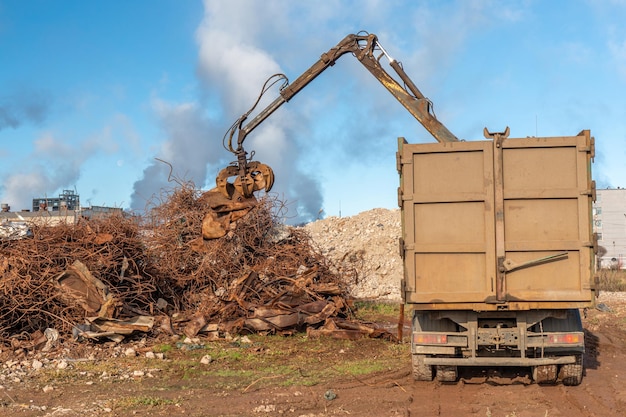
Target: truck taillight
(565, 338)
(430, 339)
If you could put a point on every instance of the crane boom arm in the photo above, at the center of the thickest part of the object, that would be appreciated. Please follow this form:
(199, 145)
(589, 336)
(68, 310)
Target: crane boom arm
(362, 47)
(253, 176)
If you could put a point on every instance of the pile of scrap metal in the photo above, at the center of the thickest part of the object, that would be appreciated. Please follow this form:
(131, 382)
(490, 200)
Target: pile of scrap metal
(66, 273)
(106, 279)
(246, 272)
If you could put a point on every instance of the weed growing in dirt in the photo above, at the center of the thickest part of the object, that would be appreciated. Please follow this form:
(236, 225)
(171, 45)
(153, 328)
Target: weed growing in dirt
(612, 280)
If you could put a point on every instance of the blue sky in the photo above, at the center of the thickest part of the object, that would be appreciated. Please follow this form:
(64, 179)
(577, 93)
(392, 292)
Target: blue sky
(91, 92)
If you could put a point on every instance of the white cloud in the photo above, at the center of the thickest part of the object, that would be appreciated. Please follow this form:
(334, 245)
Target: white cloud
(236, 67)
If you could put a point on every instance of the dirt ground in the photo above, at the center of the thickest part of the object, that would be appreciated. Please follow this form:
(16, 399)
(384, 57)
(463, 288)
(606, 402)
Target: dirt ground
(297, 376)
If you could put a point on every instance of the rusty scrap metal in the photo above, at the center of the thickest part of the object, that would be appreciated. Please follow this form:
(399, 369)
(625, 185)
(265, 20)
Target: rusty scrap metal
(37, 275)
(79, 286)
(250, 177)
(112, 277)
(349, 330)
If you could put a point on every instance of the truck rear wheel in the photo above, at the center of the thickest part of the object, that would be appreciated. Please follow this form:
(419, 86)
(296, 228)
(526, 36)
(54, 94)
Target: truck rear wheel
(421, 371)
(446, 373)
(572, 374)
(545, 374)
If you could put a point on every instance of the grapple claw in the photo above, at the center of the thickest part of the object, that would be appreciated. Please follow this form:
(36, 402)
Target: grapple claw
(221, 181)
(262, 174)
(257, 177)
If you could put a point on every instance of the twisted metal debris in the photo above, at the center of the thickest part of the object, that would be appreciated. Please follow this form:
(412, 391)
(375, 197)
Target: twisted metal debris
(260, 276)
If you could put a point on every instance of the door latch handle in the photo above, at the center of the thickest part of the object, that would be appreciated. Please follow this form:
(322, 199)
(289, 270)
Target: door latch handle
(510, 265)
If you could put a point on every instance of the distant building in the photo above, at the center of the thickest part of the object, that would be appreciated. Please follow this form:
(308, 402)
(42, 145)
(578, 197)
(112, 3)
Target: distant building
(609, 223)
(57, 210)
(67, 200)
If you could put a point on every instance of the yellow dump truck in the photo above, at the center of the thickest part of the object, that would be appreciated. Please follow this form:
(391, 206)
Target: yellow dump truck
(498, 253)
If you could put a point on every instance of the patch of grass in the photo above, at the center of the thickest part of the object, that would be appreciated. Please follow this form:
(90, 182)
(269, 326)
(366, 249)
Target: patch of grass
(192, 373)
(612, 280)
(162, 348)
(142, 401)
(363, 367)
(376, 310)
(378, 307)
(287, 361)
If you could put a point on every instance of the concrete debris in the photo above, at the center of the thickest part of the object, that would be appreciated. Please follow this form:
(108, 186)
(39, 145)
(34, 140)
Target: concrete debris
(365, 246)
(14, 230)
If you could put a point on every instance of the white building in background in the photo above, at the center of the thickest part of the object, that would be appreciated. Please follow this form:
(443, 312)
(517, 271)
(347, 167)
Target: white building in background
(609, 222)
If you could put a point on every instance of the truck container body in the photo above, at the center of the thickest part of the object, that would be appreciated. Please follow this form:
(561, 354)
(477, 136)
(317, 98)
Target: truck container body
(498, 253)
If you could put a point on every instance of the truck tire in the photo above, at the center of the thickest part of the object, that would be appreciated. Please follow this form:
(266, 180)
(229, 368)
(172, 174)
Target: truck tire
(545, 374)
(421, 371)
(572, 374)
(446, 373)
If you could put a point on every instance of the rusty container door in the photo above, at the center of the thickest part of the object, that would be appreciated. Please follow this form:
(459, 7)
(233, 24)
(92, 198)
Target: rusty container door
(446, 196)
(497, 224)
(547, 192)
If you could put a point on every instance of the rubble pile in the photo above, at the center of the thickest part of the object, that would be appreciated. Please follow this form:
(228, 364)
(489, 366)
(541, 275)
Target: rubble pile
(110, 277)
(367, 246)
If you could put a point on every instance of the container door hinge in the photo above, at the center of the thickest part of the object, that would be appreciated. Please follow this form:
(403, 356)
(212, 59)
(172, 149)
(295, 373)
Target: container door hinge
(591, 192)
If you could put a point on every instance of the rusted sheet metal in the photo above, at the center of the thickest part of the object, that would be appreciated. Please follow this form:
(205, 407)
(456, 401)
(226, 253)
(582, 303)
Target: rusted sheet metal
(79, 287)
(265, 318)
(195, 325)
(349, 330)
(277, 322)
(127, 326)
(38, 340)
(223, 213)
(318, 317)
(326, 312)
(113, 329)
